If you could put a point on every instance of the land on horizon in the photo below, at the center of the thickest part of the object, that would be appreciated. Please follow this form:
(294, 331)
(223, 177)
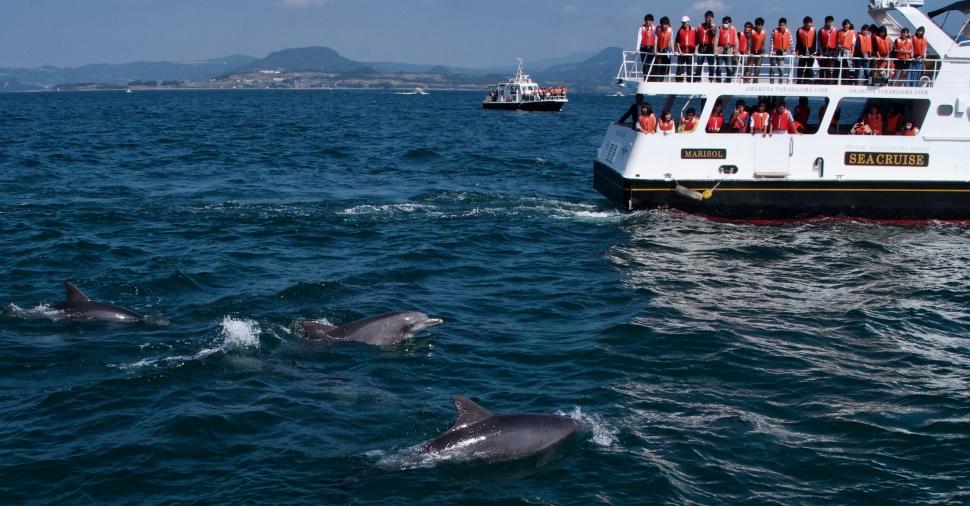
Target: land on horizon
(308, 68)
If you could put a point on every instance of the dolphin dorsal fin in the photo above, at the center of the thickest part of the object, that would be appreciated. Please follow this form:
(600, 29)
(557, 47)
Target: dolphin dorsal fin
(468, 412)
(74, 294)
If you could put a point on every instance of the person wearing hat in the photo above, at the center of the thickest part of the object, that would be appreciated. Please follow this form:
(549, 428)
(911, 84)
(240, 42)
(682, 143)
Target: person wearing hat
(684, 46)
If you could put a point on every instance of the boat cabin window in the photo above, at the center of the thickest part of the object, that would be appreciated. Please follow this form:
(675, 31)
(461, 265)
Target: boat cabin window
(877, 116)
(685, 112)
(733, 113)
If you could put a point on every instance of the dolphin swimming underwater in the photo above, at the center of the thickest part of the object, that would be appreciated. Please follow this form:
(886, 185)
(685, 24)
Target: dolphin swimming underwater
(478, 435)
(78, 306)
(380, 330)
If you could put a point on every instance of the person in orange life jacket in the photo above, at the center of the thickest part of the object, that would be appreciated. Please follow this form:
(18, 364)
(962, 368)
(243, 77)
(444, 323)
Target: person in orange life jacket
(828, 48)
(744, 48)
(881, 47)
(667, 125)
(646, 39)
(860, 128)
(846, 48)
(782, 121)
(739, 118)
(801, 114)
(903, 49)
(684, 46)
(806, 46)
(909, 129)
(894, 120)
(689, 122)
(781, 44)
(726, 48)
(757, 46)
(761, 121)
(647, 122)
(705, 36)
(661, 65)
(716, 121)
(916, 65)
(874, 120)
(863, 54)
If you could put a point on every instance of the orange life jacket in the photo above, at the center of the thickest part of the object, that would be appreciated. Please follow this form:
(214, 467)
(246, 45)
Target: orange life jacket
(847, 39)
(689, 124)
(919, 47)
(740, 121)
(893, 123)
(757, 44)
(780, 40)
(903, 48)
(865, 44)
(829, 38)
(667, 126)
(704, 35)
(882, 46)
(782, 122)
(663, 39)
(685, 39)
(760, 121)
(807, 37)
(647, 36)
(875, 123)
(648, 124)
(727, 37)
(715, 123)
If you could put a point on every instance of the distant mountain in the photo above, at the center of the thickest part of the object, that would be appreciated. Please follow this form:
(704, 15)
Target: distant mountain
(122, 73)
(320, 59)
(598, 70)
(8, 83)
(546, 63)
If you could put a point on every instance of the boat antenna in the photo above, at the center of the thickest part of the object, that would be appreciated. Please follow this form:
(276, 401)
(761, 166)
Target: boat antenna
(518, 68)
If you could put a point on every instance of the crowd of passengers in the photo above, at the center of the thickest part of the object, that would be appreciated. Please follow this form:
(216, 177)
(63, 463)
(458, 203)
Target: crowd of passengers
(768, 120)
(844, 55)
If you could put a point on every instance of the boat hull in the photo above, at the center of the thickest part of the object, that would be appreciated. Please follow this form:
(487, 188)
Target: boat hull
(786, 199)
(540, 106)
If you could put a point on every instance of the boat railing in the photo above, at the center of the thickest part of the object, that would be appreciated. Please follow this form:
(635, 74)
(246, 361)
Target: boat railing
(778, 69)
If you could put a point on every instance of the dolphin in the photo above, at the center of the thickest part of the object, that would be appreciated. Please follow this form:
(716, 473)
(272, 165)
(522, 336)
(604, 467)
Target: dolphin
(380, 330)
(478, 435)
(78, 306)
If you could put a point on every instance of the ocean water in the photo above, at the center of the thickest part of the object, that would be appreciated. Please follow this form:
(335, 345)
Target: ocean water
(712, 363)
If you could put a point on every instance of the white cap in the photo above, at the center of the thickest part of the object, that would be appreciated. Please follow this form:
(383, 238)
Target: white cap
(685, 19)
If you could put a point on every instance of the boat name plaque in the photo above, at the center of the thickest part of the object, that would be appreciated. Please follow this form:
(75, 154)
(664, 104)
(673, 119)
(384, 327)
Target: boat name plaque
(703, 154)
(875, 159)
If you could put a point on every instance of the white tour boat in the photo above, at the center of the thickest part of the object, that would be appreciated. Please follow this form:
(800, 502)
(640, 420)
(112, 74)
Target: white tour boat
(522, 93)
(822, 163)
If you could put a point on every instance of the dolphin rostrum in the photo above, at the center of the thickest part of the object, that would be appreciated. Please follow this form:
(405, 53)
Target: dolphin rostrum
(380, 330)
(78, 306)
(479, 435)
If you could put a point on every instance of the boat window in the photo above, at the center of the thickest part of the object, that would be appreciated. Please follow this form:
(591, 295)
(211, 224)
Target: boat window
(945, 110)
(680, 107)
(877, 116)
(736, 110)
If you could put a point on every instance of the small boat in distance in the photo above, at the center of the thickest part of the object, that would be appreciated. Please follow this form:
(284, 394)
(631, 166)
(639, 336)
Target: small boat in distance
(417, 91)
(522, 93)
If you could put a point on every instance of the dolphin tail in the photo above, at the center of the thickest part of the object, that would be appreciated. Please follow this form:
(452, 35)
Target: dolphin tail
(74, 294)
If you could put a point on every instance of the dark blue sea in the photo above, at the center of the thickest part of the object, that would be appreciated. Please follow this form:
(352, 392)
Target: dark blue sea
(711, 362)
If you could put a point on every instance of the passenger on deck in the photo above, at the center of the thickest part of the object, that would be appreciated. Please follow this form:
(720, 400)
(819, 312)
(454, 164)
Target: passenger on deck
(806, 46)
(801, 114)
(632, 113)
(903, 49)
(782, 121)
(846, 51)
(667, 125)
(661, 65)
(894, 120)
(716, 122)
(761, 121)
(685, 48)
(916, 66)
(828, 47)
(744, 49)
(706, 35)
(882, 67)
(689, 122)
(860, 128)
(781, 44)
(874, 120)
(647, 122)
(863, 53)
(909, 129)
(726, 48)
(646, 40)
(739, 118)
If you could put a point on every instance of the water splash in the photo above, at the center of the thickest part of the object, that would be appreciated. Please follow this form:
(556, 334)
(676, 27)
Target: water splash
(602, 433)
(236, 335)
(40, 312)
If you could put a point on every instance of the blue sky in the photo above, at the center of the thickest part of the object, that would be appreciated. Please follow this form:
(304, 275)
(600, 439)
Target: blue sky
(471, 33)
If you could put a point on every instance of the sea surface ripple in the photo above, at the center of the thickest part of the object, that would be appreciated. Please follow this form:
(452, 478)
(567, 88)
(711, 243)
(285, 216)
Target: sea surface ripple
(794, 363)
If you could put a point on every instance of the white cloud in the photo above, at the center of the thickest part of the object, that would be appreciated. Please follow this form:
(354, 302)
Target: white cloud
(710, 5)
